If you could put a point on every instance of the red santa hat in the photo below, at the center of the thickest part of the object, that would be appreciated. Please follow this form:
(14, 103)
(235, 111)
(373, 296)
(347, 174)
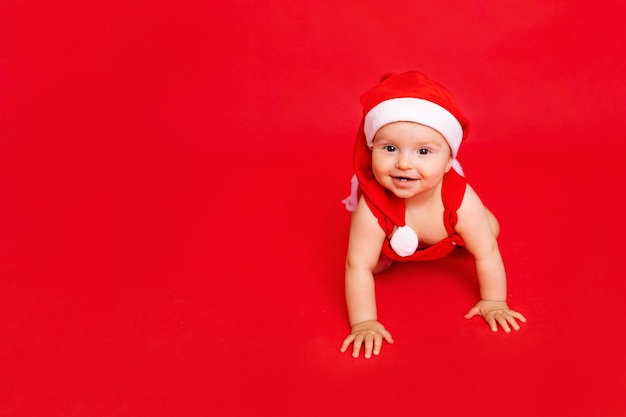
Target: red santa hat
(413, 97)
(409, 97)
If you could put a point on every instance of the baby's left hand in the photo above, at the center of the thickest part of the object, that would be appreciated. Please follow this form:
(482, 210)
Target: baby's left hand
(496, 313)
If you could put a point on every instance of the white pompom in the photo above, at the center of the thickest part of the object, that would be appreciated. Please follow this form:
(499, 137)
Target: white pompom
(404, 241)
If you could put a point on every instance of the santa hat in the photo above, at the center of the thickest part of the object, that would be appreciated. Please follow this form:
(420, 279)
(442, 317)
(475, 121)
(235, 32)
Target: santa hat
(413, 97)
(408, 97)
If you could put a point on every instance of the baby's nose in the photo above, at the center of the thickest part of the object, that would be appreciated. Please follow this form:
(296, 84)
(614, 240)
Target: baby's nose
(404, 161)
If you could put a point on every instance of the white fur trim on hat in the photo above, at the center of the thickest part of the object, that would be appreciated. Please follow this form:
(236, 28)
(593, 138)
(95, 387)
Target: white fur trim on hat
(411, 109)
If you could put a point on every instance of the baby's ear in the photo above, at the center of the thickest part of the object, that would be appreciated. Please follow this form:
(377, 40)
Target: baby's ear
(450, 161)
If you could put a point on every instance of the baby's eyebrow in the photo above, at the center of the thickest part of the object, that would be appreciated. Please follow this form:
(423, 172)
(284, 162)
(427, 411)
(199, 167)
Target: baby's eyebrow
(429, 142)
(384, 141)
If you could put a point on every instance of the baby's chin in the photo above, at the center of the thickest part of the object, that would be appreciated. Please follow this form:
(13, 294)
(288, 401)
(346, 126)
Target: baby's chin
(401, 193)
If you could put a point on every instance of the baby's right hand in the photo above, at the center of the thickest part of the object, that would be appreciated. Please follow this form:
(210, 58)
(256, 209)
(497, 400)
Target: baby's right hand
(370, 334)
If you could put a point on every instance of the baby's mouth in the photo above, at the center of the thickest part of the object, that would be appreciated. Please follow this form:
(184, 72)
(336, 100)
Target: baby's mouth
(404, 179)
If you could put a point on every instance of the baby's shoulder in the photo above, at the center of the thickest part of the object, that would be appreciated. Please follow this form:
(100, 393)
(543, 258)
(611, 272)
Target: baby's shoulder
(471, 205)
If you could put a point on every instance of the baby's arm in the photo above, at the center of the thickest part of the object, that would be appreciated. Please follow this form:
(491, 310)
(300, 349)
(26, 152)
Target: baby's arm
(475, 228)
(366, 239)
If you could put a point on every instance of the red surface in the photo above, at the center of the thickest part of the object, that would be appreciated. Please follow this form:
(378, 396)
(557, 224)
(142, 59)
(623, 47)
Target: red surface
(171, 237)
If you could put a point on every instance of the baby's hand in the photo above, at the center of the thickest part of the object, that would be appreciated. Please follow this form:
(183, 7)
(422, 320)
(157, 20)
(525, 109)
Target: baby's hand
(370, 334)
(496, 312)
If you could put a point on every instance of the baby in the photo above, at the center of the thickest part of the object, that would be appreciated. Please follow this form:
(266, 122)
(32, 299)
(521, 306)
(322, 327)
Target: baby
(412, 203)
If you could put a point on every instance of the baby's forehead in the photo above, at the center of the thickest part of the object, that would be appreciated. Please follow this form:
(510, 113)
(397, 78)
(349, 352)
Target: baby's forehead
(410, 132)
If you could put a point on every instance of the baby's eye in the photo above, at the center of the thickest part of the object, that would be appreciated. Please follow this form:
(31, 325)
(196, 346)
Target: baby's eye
(390, 148)
(423, 151)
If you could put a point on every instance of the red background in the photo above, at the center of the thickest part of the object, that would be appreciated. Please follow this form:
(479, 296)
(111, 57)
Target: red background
(171, 234)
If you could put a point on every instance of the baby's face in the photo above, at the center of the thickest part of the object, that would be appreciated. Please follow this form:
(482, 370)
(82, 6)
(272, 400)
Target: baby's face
(410, 159)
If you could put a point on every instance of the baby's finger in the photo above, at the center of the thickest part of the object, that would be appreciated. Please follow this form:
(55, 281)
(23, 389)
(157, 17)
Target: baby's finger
(356, 347)
(503, 322)
(369, 345)
(388, 337)
(473, 312)
(512, 322)
(346, 343)
(491, 321)
(518, 316)
(378, 343)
